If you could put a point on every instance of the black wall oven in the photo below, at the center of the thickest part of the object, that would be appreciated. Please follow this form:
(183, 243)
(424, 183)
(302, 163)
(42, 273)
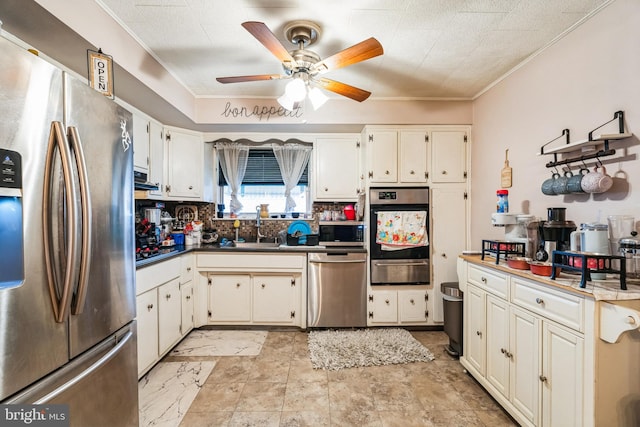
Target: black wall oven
(399, 235)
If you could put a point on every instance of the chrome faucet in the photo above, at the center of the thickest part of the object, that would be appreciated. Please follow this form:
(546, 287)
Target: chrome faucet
(258, 223)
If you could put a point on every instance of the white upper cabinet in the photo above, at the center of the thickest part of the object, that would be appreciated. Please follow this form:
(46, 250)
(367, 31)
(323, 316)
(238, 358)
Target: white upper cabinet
(336, 168)
(382, 156)
(140, 143)
(189, 166)
(448, 155)
(414, 156)
(156, 157)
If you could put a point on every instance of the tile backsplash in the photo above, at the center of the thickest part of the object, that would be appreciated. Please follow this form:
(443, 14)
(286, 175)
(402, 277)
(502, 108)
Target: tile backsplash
(270, 227)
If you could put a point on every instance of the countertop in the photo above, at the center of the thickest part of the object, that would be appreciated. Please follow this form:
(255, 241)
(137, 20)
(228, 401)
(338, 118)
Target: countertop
(606, 290)
(208, 248)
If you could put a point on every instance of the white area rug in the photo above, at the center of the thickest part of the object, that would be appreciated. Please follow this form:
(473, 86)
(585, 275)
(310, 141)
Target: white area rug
(206, 342)
(339, 349)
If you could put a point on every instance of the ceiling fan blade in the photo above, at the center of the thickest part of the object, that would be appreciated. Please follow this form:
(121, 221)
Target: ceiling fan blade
(264, 35)
(362, 51)
(343, 89)
(258, 77)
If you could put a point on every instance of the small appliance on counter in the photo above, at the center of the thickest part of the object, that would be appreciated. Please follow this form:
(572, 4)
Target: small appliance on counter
(520, 228)
(556, 233)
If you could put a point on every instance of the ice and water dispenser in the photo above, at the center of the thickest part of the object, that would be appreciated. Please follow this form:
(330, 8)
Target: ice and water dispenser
(11, 237)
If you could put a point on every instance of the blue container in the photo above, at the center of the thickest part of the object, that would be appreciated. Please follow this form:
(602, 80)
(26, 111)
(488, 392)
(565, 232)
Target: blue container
(178, 238)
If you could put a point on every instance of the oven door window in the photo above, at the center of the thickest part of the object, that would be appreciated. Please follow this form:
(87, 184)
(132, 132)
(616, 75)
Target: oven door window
(411, 252)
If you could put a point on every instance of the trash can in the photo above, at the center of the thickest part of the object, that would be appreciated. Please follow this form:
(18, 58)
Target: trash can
(452, 296)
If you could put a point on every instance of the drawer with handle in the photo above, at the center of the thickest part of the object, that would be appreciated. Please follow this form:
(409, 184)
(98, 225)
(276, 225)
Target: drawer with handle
(489, 280)
(564, 308)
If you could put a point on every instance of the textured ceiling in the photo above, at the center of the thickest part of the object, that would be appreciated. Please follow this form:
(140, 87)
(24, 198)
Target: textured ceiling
(432, 48)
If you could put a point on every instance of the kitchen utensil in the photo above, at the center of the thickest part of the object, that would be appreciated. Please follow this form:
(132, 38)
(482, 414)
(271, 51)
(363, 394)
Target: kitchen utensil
(518, 262)
(560, 184)
(597, 181)
(547, 185)
(620, 226)
(153, 215)
(630, 250)
(575, 182)
(506, 173)
(349, 212)
(542, 268)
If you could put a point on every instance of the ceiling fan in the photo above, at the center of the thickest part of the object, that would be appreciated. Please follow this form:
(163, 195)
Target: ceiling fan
(304, 66)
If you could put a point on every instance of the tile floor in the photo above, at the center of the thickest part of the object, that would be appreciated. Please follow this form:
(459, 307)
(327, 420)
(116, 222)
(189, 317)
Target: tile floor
(276, 386)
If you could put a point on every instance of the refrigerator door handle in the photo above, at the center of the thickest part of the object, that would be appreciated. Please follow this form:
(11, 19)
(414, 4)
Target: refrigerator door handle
(87, 372)
(60, 300)
(77, 305)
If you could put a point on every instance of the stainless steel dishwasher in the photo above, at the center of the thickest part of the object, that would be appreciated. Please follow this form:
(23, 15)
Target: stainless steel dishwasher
(337, 290)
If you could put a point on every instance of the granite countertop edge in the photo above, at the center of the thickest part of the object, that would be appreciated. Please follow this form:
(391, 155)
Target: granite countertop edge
(600, 290)
(181, 250)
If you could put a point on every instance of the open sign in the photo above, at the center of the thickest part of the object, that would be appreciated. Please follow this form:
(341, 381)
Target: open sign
(100, 72)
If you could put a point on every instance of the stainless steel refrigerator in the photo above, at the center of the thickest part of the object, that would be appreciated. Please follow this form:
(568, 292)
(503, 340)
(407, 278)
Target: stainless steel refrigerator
(67, 268)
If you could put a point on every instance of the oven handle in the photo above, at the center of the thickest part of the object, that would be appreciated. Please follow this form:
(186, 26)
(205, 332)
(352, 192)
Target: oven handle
(403, 264)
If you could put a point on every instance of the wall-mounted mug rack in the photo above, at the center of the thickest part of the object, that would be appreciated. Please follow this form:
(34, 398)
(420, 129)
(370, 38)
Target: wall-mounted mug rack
(590, 143)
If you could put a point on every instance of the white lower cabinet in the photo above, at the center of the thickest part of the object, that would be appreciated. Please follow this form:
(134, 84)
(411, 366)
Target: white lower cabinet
(164, 307)
(230, 298)
(531, 364)
(169, 315)
(254, 299)
(186, 294)
(562, 377)
(252, 289)
(401, 306)
(147, 319)
(274, 299)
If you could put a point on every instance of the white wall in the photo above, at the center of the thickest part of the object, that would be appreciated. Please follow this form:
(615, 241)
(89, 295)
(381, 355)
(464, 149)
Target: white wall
(577, 83)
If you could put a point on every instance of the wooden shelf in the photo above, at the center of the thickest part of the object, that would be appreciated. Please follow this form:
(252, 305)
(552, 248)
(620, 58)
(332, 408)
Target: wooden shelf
(578, 145)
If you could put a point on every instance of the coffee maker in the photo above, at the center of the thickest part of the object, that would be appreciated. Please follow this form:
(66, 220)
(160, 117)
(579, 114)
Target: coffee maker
(555, 233)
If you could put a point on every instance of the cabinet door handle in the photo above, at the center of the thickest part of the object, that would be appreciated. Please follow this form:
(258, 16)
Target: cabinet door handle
(326, 189)
(483, 280)
(386, 172)
(191, 187)
(412, 173)
(264, 286)
(543, 378)
(539, 301)
(237, 285)
(386, 301)
(503, 351)
(444, 256)
(478, 333)
(444, 172)
(188, 269)
(412, 301)
(168, 296)
(150, 307)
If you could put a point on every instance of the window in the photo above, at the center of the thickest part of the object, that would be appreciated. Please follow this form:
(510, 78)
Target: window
(262, 183)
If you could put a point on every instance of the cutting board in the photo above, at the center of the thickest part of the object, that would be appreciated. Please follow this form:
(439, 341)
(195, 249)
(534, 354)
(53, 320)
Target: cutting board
(506, 173)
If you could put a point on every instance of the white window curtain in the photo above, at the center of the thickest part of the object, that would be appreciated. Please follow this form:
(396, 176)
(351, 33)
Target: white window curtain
(233, 161)
(292, 159)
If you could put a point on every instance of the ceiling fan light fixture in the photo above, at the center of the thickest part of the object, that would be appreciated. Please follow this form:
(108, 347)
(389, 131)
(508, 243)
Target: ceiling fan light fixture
(286, 102)
(317, 97)
(296, 89)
